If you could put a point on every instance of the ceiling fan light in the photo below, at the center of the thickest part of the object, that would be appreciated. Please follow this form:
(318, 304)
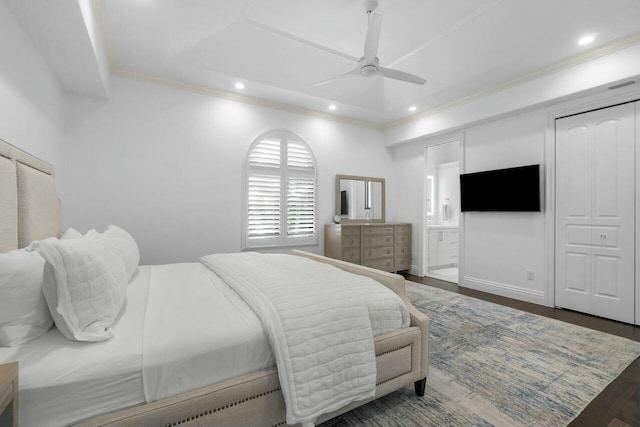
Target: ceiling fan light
(368, 70)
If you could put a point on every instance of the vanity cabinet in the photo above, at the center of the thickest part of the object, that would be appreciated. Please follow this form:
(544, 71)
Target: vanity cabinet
(442, 246)
(384, 246)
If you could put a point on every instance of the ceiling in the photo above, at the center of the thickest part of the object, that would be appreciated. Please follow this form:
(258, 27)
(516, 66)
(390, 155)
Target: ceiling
(279, 48)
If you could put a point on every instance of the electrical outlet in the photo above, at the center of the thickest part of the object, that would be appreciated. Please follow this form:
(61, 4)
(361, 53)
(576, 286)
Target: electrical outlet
(530, 275)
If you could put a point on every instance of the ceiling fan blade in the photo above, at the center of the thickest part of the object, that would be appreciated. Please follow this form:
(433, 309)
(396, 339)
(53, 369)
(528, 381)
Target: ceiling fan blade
(373, 37)
(401, 75)
(338, 77)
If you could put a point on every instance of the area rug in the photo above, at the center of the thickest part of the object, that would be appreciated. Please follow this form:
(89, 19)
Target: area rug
(492, 365)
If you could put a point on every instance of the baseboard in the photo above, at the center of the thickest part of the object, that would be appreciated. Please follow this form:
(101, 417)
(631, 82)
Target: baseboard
(502, 289)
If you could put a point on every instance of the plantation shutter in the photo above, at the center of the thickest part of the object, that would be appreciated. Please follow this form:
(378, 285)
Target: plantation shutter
(301, 190)
(264, 206)
(280, 192)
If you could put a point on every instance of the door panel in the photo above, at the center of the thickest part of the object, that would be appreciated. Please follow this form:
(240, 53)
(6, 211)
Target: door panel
(606, 151)
(606, 278)
(578, 272)
(595, 212)
(578, 162)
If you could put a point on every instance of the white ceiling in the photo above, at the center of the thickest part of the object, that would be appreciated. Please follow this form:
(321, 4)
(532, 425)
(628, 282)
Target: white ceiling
(279, 48)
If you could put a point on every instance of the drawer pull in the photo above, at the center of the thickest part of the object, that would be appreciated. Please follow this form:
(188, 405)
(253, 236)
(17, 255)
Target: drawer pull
(388, 251)
(369, 253)
(370, 241)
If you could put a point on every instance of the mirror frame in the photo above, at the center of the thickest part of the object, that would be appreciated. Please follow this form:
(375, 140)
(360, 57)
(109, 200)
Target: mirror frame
(360, 178)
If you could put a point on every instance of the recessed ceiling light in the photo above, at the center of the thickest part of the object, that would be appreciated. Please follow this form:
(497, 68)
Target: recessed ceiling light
(332, 107)
(586, 39)
(239, 85)
(413, 108)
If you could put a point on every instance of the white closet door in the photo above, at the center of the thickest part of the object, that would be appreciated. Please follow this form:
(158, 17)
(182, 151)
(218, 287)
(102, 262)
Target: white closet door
(595, 212)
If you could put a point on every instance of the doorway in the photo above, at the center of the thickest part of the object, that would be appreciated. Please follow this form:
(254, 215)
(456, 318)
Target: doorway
(442, 211)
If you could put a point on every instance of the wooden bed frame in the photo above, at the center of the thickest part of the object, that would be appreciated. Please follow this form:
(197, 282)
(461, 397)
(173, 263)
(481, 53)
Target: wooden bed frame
(29, 202)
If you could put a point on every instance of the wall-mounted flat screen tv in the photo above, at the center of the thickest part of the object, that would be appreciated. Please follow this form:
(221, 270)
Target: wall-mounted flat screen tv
(501, 190)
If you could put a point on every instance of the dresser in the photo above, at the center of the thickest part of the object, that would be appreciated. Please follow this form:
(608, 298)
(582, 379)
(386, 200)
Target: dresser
(385, 246)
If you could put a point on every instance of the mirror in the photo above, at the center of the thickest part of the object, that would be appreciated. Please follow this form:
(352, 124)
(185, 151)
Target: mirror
(360, 198)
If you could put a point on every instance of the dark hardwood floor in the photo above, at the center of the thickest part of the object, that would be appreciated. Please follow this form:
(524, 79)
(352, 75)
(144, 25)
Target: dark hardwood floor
(619, 404)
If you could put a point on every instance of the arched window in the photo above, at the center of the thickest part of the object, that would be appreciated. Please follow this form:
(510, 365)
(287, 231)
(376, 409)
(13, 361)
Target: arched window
(280, 192)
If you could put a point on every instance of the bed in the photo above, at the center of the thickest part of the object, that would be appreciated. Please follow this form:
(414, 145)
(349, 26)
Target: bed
(100, 384)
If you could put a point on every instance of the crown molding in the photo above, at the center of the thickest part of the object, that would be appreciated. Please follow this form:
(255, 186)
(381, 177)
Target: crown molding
(205, 90)
(589, 55)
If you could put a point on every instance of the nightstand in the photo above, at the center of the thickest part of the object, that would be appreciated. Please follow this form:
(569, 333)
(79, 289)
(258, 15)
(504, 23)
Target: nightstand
(9, 395)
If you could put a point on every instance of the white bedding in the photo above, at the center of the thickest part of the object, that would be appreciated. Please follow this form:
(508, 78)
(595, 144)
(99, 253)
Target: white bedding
(198, 332)
(320, 321)
(63, 382)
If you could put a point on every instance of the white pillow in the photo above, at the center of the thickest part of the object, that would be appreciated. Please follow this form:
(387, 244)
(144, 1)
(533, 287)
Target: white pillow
(71, 233)
(122, 241)
(84, 284)
(24, 314)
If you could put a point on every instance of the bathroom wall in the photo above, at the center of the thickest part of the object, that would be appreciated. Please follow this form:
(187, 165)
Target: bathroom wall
(447, 181)
(442, 164)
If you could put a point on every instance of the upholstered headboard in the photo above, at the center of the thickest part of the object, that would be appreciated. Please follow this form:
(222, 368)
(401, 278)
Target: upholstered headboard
(29, 204)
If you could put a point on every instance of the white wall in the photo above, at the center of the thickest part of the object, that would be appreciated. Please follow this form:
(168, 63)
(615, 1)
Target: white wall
(499, 247)
(31, 99)
(448, 190)
(166, 165)
(446, 180)
(409, 166)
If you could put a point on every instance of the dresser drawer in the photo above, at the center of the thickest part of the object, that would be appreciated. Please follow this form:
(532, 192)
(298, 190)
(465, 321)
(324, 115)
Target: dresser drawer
(377, 230)
(403, 250)
(381, 264)
(372, 253)
(351, 255)
(350, 231)
(403, 229)
(403, 239)
(351, 242)
(371, 241)
(403, 263)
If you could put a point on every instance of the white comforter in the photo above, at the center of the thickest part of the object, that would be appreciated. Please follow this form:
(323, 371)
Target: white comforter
(197, 332)
(319, 322)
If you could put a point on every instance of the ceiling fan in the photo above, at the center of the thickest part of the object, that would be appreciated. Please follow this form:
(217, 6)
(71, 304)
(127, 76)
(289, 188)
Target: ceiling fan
(369, 65)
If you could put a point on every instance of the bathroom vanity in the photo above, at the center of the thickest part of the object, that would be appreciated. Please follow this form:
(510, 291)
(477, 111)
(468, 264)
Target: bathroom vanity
(442, 245)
